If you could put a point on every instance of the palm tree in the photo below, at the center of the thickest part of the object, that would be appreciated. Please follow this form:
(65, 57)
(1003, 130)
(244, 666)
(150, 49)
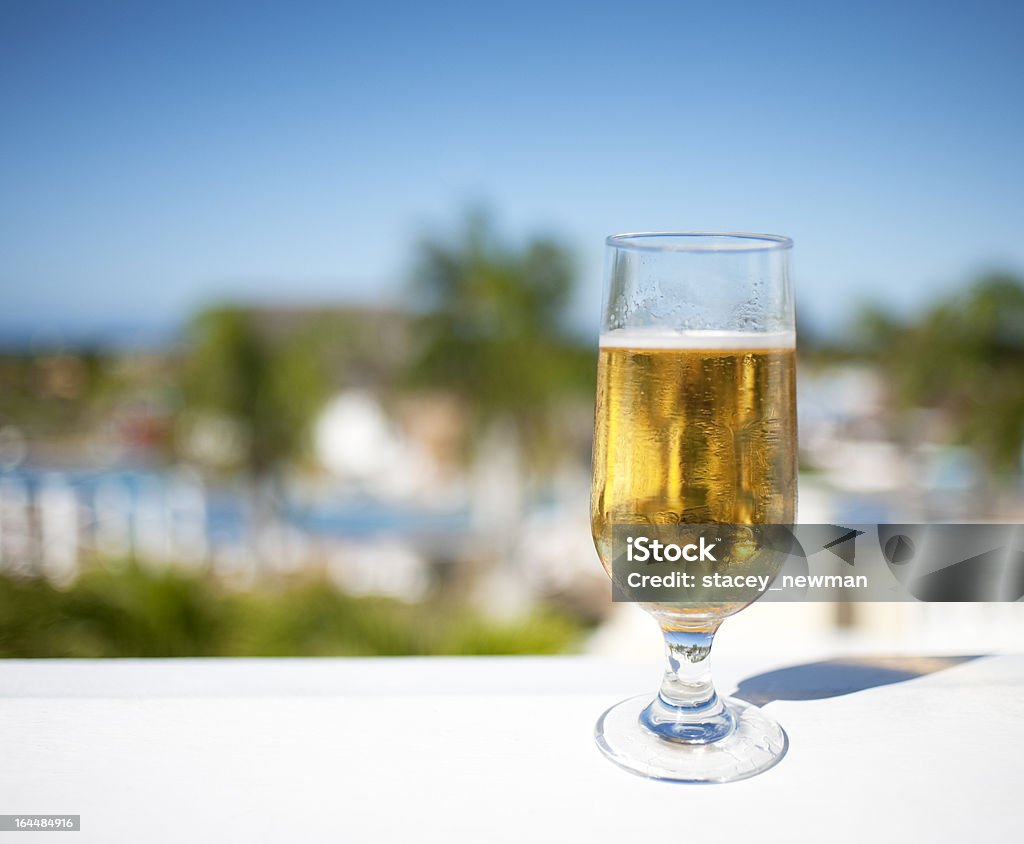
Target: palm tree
(493, 328)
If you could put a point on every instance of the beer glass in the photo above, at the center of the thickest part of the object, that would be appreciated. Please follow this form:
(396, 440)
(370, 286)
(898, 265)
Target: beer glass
(696, 425)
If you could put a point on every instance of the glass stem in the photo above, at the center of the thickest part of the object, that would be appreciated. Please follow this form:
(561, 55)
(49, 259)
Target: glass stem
(687, 708)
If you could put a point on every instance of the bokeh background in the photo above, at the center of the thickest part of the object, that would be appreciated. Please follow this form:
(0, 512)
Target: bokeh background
(300, 303)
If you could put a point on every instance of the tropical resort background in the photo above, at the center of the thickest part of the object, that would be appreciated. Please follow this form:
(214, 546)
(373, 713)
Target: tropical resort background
(323, 478)
(266, 389)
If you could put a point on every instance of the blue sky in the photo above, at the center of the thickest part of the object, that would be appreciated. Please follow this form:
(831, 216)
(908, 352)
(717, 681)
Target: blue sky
(158, 156)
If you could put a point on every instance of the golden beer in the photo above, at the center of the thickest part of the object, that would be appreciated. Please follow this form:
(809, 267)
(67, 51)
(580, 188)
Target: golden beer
(694, 428)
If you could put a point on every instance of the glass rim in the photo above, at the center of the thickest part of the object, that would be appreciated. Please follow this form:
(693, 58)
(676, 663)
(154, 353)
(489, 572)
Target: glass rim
(694, 241)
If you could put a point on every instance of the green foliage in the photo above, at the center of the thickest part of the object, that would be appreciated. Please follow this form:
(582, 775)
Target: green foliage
(494, 330)
(268, 372)
(313, 619)
(134, 611)
(544, 632)
(269, 389)
(965, 357)
(51, 394)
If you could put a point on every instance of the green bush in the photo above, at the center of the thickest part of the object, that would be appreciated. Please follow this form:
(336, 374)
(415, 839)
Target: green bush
(136, 611)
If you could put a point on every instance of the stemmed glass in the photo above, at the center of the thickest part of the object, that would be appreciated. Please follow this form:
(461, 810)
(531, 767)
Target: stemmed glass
(695, 425)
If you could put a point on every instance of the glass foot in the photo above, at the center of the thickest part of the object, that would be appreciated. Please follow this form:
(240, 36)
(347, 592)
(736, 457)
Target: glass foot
(757, 743)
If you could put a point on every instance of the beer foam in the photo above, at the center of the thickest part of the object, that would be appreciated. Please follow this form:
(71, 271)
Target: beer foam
(659, 338)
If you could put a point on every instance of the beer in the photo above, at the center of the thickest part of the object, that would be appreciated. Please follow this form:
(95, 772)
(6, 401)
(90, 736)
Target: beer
(693, 428)
(695, 450)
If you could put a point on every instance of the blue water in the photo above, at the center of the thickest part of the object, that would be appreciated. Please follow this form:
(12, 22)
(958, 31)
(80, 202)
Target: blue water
(227, 506)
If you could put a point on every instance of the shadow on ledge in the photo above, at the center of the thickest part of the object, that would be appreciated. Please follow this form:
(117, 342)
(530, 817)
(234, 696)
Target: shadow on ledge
(835, 677)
